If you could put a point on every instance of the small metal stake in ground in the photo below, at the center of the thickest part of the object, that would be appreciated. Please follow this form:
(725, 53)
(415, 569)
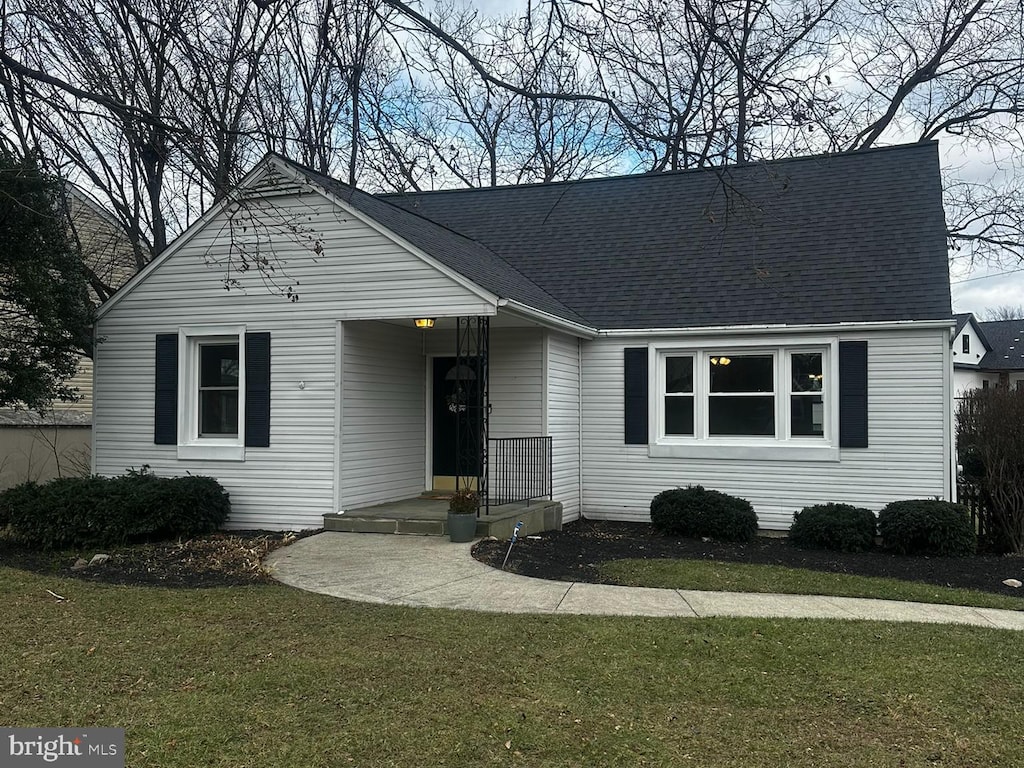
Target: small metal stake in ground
(515, 535)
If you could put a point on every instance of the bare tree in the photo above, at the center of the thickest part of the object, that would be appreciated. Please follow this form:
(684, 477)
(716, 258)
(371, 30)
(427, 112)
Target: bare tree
(1003, 312)
(159, 106)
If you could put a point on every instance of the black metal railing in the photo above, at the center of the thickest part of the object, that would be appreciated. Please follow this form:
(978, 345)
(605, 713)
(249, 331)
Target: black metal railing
(519, 469)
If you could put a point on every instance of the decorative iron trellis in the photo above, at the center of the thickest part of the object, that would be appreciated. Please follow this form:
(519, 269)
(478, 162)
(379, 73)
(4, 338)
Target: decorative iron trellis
(472, 339)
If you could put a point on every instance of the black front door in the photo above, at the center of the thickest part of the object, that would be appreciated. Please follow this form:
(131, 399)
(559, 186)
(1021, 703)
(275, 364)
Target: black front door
(455, 394)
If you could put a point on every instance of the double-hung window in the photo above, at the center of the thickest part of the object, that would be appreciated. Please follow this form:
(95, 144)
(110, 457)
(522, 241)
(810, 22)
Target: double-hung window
(212, 397)
(755, 395)
(217, 388)
(211, 381)
(678, 396)
(806, 394)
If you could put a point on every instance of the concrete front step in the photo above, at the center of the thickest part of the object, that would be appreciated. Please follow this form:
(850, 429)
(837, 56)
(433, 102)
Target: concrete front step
(538, 516)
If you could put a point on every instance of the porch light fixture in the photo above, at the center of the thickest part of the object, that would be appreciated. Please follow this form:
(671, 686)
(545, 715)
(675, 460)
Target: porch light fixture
(424, 322)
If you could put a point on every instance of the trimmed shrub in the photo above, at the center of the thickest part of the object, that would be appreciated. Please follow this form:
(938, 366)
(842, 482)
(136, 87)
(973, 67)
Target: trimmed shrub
(100, 511)
(16, 496)
(696, 512)
(927, 527)
(837, 527)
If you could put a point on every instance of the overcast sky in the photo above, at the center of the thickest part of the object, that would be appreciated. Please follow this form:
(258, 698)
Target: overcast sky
(981, 287)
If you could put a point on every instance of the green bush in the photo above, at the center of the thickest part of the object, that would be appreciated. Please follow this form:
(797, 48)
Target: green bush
(838, 527)
(697, 512)
(927, 527)
(99, 511)
(16, 496)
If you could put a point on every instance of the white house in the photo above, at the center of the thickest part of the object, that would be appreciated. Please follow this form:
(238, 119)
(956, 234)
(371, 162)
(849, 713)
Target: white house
(987, 354)
(779, 331)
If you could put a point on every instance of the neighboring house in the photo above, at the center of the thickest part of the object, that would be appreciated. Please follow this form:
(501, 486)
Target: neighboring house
(40, 447)
(780, 331)
(987, 354)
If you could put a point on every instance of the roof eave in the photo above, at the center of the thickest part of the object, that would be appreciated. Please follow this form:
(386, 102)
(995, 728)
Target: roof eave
(780, 328)
(547, 319)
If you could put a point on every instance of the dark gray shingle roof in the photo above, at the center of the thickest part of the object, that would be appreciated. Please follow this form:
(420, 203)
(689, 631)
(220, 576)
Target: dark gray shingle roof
(1005, 341)
(856, 237)
(469, 258)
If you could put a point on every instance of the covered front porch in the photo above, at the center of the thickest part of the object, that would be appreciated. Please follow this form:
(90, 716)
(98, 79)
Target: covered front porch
(468, 402)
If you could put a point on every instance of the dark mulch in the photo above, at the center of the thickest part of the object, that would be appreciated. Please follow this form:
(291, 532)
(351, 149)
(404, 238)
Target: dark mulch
(576, 552)
(226, 559)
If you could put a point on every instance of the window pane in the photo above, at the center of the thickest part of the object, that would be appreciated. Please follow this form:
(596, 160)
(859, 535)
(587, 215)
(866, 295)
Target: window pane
(218, 365)
(741, 415)
(679, 374)
(750, 373)
(678, 415)
(807, 376)
(807, 415)
(218, 412)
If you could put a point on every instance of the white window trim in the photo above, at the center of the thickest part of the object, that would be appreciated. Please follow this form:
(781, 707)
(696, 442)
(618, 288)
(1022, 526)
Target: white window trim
(190, 444)
(785, 446)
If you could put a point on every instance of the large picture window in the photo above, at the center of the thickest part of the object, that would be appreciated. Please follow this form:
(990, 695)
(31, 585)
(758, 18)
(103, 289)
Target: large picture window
(762, 394)
(741, 395)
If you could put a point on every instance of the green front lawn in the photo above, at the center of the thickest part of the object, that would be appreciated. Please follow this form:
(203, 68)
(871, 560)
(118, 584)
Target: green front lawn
(717, 575)
(269, 676)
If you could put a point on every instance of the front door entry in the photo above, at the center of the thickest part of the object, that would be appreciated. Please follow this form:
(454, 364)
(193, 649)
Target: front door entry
(454, 394)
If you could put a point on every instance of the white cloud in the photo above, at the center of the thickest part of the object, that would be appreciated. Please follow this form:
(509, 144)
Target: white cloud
(987, 289)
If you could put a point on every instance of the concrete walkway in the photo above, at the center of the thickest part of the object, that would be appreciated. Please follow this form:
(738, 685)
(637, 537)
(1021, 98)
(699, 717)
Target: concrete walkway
(430, 571)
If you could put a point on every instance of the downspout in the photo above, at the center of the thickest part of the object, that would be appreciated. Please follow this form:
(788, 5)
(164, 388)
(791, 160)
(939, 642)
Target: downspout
(579, 421)
(949, 431)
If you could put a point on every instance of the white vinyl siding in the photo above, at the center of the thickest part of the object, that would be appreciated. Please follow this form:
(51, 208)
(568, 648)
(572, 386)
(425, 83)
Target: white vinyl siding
(288, 485)
(516, 382)
(563, 420)
(360, 273)
(907, 455)
(81, 382)
(382, 437)
(516, 377)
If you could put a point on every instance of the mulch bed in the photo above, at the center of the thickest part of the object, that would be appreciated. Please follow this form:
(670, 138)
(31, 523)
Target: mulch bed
(226, 559)
(576, 552)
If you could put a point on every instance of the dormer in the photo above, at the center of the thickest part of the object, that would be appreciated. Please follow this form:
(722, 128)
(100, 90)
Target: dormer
(969, 343)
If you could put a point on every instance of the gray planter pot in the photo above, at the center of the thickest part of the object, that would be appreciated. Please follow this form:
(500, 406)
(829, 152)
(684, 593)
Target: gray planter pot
(462, 528)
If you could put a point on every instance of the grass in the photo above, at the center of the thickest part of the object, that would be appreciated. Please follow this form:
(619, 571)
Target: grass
(269, 676)
(745, 577)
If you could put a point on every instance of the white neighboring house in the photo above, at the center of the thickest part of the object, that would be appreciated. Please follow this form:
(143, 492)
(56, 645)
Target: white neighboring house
(780, 331)
(987, 354)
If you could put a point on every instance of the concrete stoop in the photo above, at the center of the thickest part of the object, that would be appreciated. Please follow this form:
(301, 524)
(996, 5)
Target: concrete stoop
(536, 517)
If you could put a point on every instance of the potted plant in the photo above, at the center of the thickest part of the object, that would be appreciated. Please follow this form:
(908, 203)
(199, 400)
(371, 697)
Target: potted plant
(462, 509)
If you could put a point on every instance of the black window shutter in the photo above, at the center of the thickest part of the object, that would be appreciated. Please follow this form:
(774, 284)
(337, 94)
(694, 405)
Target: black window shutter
(257, 390)
(853, 394)
(635, 388)
(165, 411)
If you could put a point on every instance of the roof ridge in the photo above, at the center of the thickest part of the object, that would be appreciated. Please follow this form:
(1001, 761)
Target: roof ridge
(752, 164)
